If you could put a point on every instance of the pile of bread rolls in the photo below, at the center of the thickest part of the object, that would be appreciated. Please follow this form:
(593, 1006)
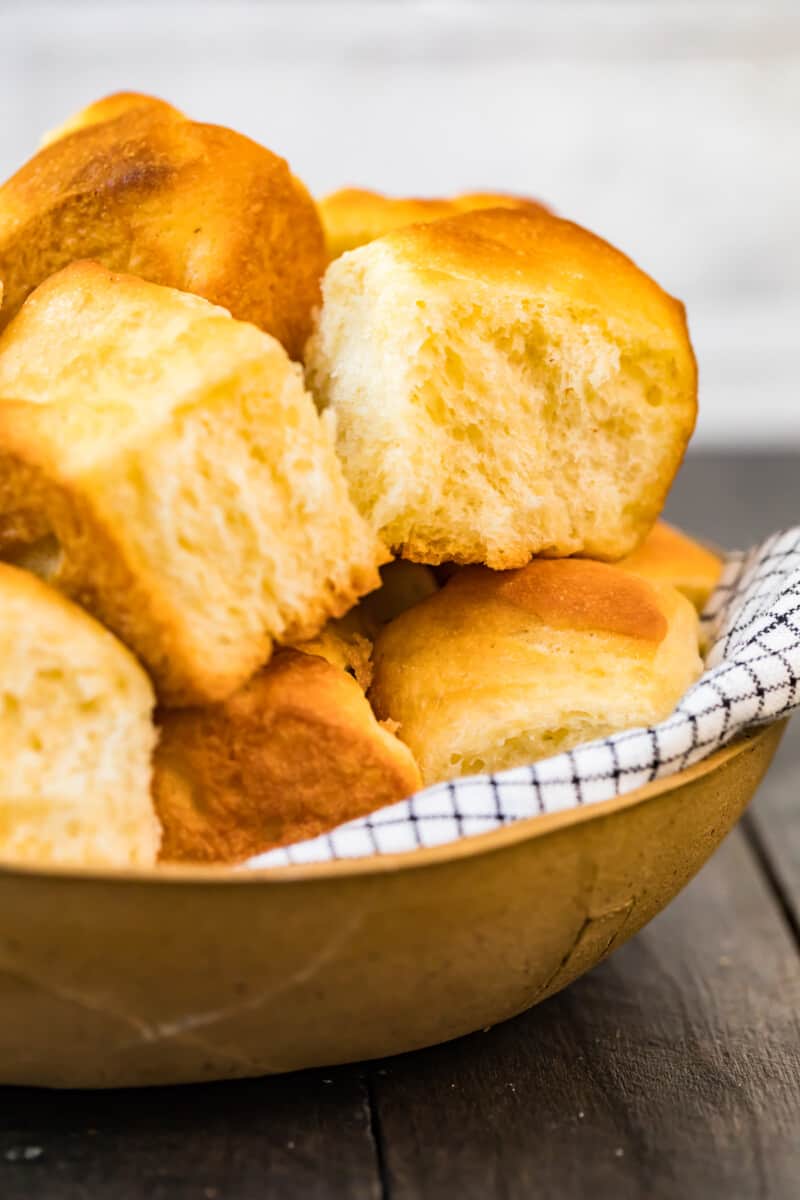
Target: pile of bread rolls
(303, 505)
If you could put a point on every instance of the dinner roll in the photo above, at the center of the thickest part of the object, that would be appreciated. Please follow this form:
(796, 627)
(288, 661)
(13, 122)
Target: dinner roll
(295, 752)
(197, 207)
(190, 493)
(504, 384)
(499, 669)
(108, 109)
(76, 732)
(354, 216)
(668, 556)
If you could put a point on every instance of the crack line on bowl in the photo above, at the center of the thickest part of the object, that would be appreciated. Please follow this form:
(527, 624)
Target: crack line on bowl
(180, 1027)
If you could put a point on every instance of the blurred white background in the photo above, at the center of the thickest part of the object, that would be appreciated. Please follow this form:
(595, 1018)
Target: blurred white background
(672, 127)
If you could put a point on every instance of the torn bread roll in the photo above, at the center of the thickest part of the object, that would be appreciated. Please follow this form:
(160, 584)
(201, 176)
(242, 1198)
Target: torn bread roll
(77, 735)
(173, 462)
(667, 555)
(135, 185)
(293, 753)
(504, 384)
(351, 217)
(499, 669)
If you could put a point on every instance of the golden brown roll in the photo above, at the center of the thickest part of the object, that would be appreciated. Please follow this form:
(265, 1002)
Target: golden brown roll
(174, 477)
(196, 207)
(504, 384)
(669, 556)
(108, 109)
(76, 733)
(295, 752)
(499, 669)
(352, 217)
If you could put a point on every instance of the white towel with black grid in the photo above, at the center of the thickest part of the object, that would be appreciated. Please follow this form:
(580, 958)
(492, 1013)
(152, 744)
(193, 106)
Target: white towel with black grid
(752, 676)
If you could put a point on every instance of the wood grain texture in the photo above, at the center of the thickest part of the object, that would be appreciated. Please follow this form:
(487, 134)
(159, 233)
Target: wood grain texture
(773, 825)
(671, 129)
(304, 1135)
(671, 1070)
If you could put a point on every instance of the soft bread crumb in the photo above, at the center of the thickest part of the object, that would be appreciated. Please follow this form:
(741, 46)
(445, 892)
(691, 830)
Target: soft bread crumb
(175, 461)
(504, 384)
(77, 736)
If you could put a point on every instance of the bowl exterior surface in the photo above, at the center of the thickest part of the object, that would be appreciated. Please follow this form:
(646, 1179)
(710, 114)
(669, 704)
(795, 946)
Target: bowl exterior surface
(143, 980)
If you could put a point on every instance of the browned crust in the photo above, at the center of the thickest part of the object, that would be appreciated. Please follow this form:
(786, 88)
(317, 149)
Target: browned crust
(668, 555)
(295, 752)
(354, 216)
(195, 207)
(108, 109)
(572, 593)
(532, 249)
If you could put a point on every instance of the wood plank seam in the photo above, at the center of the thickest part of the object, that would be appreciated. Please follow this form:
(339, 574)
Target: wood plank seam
(772, 876)
(377, 1134)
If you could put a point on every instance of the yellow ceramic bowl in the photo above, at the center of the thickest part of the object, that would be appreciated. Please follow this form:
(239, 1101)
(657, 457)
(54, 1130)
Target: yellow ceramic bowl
(185, 974)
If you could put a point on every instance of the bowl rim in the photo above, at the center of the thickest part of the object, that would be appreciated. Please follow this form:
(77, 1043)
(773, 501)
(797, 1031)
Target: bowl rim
(494, 840)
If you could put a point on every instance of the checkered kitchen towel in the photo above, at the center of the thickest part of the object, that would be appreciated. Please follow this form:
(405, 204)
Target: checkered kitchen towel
(752, 676)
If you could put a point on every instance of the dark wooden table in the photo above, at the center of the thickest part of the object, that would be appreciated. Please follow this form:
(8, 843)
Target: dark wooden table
(673, 1070)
